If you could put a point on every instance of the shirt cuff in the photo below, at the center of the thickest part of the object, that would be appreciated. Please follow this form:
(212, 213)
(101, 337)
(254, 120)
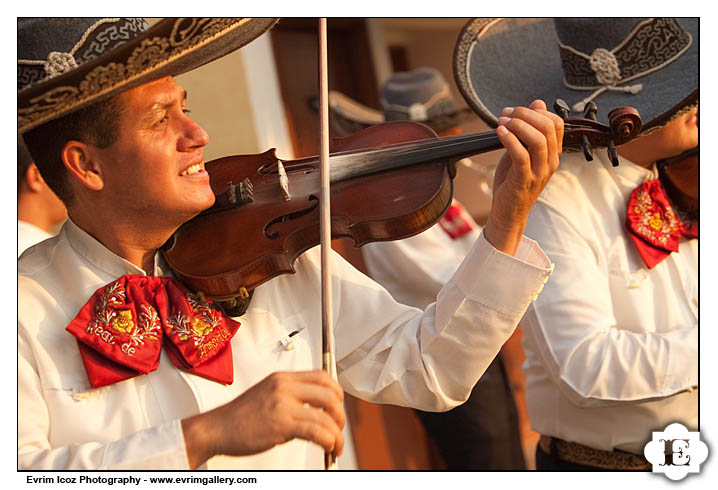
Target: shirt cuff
(160, 447)
(503, 282)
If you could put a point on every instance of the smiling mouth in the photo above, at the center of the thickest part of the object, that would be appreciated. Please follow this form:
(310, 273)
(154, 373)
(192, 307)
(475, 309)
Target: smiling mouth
(193, 169)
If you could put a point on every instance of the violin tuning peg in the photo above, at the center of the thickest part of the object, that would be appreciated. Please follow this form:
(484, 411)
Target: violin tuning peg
(587, 149)
(590, 110)
(561, 108)
(612, 153)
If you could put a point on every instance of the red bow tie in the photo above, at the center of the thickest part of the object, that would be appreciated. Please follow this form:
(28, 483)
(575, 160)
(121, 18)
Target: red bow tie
(455, 222)
(654, 227)
(122, 328)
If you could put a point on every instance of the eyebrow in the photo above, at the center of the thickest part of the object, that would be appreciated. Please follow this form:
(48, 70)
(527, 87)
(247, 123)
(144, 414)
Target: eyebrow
(162, 105)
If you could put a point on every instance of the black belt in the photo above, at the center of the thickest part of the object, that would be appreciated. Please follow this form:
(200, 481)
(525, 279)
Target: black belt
(573, 452)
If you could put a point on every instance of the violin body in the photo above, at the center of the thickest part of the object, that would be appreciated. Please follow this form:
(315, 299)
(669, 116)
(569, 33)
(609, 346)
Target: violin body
(388, 182)
(243, 246)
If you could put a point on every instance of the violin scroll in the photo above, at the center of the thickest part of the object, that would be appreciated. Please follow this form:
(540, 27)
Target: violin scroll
(625, 124)
(586, 132)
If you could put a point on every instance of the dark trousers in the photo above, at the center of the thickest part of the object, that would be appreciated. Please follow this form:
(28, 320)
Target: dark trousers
(483, 433)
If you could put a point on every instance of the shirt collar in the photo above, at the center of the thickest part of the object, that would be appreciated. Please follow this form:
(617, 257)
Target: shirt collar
(627, 173)
(98, 255)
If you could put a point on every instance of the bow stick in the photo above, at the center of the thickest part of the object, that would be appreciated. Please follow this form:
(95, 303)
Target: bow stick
(325, 217)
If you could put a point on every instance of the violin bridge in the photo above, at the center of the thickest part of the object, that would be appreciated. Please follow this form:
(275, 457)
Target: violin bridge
(283, 181)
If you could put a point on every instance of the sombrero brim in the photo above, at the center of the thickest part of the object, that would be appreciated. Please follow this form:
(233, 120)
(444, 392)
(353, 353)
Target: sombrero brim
(510, 62)
(170, 47)
(349, 116)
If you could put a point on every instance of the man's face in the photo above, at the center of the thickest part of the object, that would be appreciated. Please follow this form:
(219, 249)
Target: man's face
(155, 169)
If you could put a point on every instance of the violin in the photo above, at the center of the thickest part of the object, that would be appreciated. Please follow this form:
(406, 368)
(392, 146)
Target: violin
(389, 181)
(679, 176)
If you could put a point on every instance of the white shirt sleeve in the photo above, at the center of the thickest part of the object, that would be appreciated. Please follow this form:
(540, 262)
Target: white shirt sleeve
(595, 359)
(414, 269)
(160, 447)
(392, 353)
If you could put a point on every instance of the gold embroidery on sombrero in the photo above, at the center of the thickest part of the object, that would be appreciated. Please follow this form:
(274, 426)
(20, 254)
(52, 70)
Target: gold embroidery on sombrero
(46, 104)
(102, 77)
(186, 34)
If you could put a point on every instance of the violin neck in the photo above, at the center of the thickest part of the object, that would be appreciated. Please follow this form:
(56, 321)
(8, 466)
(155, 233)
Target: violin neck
(349, 165)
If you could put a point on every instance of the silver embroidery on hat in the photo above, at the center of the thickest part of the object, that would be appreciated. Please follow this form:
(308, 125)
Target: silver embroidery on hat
(58, 63)
(637, 53)
(605, 64)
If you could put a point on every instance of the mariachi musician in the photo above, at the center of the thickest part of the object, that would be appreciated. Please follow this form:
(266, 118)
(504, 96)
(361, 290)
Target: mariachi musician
(121, 367)
(612, 342)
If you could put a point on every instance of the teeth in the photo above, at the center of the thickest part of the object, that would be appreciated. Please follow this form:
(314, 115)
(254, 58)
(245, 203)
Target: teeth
(192, 170)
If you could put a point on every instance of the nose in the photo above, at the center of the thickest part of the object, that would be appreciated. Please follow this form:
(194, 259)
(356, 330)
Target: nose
(194, 136)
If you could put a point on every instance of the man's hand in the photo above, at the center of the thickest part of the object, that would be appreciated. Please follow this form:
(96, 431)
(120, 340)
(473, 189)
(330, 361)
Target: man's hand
(533, 139)
(281, 407)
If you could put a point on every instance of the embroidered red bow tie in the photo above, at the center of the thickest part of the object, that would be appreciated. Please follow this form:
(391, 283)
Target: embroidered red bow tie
(654, 226)
(122, 328)
(455, 222)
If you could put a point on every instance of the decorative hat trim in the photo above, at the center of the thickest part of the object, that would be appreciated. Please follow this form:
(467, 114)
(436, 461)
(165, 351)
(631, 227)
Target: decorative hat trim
(536, 70)
(604, 70)
(57, 62)
(169, 52)
(349, 108)
(477, 29)
(438, 96)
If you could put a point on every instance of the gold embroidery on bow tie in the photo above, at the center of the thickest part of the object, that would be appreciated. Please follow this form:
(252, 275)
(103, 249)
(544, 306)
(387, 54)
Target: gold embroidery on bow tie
(652, 224)
(122, 322)
(108, 318)
(204, 320)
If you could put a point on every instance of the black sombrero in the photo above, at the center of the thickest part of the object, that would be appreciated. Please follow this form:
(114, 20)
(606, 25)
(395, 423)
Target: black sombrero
(65, 64)
(647, 63)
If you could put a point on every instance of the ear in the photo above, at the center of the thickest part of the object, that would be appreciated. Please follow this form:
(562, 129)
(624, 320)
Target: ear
(80, 160)
(33, 179)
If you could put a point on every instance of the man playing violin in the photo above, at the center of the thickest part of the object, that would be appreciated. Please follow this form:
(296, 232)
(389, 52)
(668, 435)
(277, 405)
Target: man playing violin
(121, 367)
(612, 343)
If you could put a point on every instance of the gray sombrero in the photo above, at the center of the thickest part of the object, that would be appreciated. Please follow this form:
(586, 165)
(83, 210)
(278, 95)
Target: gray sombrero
(420, 95)
(65, 64)
(647, 63)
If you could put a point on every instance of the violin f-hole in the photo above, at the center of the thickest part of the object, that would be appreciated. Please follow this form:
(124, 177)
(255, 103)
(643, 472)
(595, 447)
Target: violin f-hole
(273, 234)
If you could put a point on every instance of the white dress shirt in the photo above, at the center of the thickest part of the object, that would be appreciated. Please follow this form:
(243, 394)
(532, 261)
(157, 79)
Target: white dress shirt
(385, 351)
(414, 269)
(611, 346)
(28, 235)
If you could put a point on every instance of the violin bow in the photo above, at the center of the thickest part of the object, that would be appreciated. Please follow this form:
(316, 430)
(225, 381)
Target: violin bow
(325, 224)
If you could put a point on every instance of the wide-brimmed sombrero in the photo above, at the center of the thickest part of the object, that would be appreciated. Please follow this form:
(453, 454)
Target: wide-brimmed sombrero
(65, 64)
(420, 95)
(647, 63)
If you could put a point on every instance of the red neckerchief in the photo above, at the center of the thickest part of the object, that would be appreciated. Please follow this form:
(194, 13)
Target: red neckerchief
(455, 222)
(123, 326)
(654, 226)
